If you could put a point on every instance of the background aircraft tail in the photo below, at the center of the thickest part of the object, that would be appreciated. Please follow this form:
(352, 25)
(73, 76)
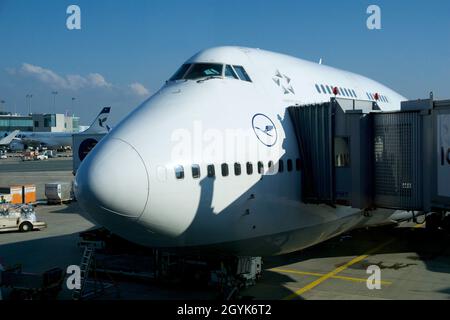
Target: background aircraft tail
(9, 138)
(99, 125)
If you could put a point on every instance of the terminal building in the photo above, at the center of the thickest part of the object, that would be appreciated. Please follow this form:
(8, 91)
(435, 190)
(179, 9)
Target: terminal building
(39, 123)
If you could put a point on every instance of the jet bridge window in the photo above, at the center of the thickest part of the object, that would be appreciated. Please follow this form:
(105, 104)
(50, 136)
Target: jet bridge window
(341, 152)
(202, 70)
(242, 73)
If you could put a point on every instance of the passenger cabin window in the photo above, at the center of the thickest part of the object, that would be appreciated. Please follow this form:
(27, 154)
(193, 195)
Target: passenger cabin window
(195, 171)
(280, 166)
(237, 169)
(289, 165)
(229, 72)
(260, 167)
(346, 92)
(271, 167)
(202, 70)
(242, 73)
(211, 171)
(225, 171)
(249, 168)
(298, 164)
(179, 172)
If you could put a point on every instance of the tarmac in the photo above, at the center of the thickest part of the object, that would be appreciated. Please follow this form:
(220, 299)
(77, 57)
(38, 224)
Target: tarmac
(414, 263)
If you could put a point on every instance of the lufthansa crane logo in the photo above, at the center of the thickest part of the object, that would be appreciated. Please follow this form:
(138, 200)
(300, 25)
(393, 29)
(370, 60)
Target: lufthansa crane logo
(265, 129)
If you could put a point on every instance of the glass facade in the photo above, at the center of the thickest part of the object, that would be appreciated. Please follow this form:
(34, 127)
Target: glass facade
(11, 123)
(76, 124)
(49, 120)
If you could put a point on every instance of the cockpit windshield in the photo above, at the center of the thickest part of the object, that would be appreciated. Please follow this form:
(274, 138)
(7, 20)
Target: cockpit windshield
(195, 71)
(202, 70)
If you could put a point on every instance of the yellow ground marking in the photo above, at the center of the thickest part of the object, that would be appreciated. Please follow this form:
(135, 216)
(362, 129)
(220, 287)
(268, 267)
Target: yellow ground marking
(336, 271)
(315, 274)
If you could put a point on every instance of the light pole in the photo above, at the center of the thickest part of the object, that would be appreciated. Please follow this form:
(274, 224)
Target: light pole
(54, 93)
(2, 103)
(29, 96)
(73, 100)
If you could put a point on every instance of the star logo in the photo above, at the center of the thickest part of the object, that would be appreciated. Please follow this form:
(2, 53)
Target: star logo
(284, 82)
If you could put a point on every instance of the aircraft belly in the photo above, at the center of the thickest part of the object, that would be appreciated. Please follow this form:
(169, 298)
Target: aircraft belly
(278, 242)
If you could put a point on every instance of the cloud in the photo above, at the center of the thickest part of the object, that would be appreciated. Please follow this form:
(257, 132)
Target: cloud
(97, 80)
(44, 75)
(72, 82)
(139, 89)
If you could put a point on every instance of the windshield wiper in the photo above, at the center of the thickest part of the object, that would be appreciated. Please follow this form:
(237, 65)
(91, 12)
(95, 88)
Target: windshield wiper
(209, 78)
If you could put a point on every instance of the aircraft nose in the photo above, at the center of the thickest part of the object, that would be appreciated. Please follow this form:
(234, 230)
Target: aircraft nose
(113, 181)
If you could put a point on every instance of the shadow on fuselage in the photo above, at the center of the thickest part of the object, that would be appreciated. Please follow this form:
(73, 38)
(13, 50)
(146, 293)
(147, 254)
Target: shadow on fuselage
(425, 247)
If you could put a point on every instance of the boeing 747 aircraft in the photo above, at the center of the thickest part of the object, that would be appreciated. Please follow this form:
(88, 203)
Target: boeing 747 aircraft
(173, 173)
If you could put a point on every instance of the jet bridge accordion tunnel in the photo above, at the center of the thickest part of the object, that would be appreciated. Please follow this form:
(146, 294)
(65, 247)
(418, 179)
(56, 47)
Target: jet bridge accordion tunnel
(354, 154)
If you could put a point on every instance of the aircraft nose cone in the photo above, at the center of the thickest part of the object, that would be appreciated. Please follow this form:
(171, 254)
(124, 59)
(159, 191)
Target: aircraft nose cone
(112, 180)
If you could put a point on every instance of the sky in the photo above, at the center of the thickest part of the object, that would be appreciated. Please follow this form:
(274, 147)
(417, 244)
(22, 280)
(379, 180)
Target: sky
(125, 50)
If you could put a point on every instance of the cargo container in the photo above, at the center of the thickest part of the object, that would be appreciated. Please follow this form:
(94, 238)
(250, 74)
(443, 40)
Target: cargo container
(58, 192)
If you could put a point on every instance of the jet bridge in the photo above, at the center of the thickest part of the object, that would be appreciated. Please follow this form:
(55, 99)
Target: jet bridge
(357, 155)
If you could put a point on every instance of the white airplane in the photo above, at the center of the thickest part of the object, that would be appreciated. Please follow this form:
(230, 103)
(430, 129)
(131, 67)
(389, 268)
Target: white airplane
(62, 139)
(154, 182)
